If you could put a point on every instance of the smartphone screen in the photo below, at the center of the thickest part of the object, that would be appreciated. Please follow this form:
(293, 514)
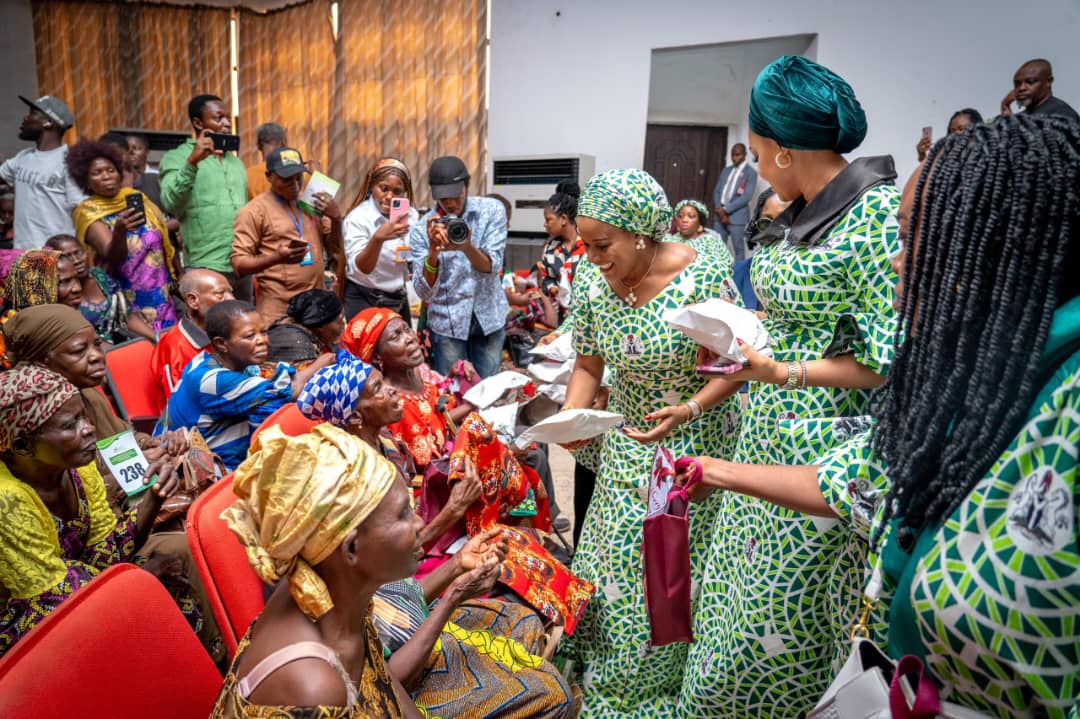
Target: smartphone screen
(399, 207)
(928, 132)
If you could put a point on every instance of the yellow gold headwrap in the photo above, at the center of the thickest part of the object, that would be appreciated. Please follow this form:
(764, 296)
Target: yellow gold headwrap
(299, 498)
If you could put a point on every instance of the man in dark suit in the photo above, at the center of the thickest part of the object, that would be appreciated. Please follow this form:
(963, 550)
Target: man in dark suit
(731, 197)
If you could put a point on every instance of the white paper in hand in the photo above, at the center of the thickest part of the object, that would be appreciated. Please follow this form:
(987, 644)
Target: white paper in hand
(715, 324)
(485, 392)
(502, 419)
(552, 372)
(560, 349)
(316, 184)
(571, 425)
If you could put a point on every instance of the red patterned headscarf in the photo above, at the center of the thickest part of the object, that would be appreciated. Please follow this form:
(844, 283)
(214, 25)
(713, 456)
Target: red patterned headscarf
(29, 396)
(363, 331)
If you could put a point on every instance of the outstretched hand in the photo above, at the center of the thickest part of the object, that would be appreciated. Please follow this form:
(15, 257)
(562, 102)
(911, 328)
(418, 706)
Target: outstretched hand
(667, 418)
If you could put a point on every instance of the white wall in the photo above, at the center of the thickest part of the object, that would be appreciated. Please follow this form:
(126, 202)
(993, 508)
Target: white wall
(579, 81)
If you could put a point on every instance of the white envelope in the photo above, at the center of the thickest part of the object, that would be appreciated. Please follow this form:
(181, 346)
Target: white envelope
(487, 391)
(570, 425)
(716, 323)
(502, 419)
(552, 372)
(554, 392)
(559, 350)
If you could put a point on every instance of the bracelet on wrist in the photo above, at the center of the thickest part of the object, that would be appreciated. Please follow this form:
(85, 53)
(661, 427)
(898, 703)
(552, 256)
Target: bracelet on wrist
(695, 408)
(792, 376)
(802, 377)
(433, 269)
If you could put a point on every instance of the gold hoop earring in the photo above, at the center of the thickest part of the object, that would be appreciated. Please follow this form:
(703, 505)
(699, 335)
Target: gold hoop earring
(776, 161)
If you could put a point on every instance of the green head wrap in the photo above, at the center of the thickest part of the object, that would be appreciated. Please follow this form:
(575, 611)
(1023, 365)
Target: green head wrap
(702, 210)
(806, 106)
(628, 199)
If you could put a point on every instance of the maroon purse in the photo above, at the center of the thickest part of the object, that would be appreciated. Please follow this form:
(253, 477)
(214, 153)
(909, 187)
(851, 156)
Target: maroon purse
(665, 550)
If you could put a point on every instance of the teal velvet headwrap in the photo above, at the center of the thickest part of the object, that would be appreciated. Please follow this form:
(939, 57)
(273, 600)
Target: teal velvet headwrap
(805, 106)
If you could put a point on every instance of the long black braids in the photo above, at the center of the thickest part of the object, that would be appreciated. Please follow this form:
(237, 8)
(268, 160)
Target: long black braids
(994, 254)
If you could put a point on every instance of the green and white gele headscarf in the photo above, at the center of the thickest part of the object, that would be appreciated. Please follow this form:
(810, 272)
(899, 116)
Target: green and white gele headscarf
(628, 199)
(702, 210)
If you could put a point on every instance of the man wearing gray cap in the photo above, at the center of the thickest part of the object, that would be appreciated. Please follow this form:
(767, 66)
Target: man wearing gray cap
(45, 194)
(457, 257)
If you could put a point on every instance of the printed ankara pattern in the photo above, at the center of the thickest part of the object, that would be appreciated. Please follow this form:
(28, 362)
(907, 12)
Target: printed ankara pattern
(996, 596)
(779, 584)
(653, 367)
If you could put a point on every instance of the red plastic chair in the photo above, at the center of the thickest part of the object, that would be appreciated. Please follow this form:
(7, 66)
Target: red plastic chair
(127, 370)
(291, 420)
(116, 649)
(234, 590)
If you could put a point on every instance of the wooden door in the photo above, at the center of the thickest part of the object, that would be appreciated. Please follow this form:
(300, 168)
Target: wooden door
(685, 159)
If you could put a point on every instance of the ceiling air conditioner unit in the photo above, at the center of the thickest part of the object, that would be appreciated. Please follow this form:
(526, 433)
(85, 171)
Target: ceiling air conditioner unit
(529, 181)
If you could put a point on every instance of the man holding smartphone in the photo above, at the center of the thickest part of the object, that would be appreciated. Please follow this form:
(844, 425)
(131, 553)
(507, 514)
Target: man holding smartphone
(456, 270)
(279, 243)
(204, 185)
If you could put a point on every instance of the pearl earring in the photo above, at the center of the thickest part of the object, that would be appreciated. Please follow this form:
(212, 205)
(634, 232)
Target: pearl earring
(640, 244)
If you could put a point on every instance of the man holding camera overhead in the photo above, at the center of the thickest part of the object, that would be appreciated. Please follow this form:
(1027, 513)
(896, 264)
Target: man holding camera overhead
(457, 256)
(204, 185)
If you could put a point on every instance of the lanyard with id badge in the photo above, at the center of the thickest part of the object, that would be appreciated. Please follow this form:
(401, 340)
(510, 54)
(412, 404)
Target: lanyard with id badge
(126, 462)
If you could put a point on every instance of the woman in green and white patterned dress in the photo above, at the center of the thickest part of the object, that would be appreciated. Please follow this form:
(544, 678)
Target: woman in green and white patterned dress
(690, 229)
(970, 475)
(620, 301)
(777, 580)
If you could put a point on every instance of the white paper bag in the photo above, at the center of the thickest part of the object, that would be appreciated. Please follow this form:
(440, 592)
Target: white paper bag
(502, 419)
(552, 372)
(571, 425)
(559, 350)
(485, 392)
(715, 324)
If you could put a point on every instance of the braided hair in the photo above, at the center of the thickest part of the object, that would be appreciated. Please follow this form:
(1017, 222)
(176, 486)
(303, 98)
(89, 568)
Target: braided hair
(995, 213)
(565, 199)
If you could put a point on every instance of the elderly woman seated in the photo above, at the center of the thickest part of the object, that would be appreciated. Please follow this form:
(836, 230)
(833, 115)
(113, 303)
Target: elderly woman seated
(61, 339)
(58, 531)
(328, 515)
(459, 656)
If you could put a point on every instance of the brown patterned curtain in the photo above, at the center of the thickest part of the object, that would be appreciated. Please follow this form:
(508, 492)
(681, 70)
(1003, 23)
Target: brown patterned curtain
(129, 64)
(404, 79)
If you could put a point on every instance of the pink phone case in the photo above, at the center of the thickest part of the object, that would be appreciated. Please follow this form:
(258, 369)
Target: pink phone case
(399, 207)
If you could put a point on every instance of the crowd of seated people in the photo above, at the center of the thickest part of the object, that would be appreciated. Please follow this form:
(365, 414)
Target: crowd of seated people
(913, 423)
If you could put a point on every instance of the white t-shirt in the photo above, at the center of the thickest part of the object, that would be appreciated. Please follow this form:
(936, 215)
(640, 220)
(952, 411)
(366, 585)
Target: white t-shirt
(45, 195)
(388, 275)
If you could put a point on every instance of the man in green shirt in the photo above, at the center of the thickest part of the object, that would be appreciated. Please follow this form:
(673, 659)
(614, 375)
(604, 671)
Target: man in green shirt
(205, 188)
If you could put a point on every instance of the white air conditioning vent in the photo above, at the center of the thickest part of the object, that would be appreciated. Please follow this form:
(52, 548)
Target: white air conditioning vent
(528, 182)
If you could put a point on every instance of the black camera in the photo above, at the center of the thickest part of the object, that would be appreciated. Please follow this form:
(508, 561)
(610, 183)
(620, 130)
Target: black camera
(457, 230)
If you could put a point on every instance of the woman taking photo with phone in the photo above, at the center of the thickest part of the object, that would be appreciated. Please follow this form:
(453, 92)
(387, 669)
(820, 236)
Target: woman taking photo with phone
(376, 243)
(125, 231)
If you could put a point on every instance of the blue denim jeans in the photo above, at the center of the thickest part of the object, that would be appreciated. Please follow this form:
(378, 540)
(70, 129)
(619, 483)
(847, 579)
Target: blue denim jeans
(484, 351)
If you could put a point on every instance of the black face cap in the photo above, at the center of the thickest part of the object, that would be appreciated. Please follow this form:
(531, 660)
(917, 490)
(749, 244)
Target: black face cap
(447, 177)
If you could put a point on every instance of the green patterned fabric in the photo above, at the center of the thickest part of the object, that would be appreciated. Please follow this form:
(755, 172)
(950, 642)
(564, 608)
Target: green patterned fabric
(994, 600)
(708, 243)
(653, 364)
(628, 199)
(806, 106)
(777, 581)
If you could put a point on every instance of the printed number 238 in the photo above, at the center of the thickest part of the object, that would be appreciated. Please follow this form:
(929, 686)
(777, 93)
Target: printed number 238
(132, 474)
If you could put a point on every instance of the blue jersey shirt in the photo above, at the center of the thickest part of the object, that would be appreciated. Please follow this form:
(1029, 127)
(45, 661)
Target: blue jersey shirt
(225, 405)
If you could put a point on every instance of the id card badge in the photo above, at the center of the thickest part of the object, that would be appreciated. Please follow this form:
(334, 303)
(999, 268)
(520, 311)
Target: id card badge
(307, 257)
(126, 461)
(401, 254)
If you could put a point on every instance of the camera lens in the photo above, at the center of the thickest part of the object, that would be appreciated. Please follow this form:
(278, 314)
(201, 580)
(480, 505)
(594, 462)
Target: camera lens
(457, 231)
